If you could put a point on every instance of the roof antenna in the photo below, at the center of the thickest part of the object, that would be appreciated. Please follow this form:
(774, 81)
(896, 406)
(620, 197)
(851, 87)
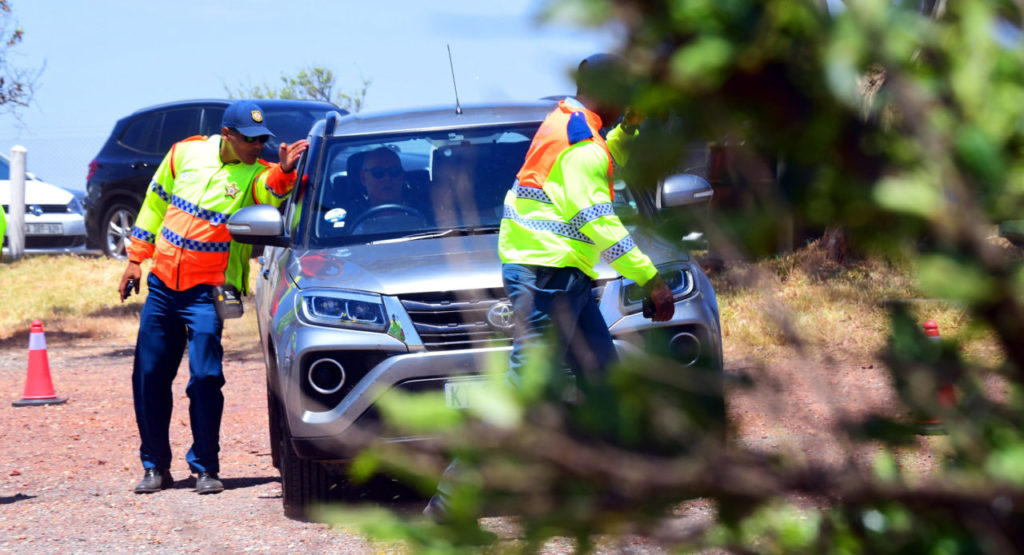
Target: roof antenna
(458, 108)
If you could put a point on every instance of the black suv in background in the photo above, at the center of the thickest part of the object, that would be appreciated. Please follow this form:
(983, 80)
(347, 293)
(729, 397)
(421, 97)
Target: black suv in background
(120, 174)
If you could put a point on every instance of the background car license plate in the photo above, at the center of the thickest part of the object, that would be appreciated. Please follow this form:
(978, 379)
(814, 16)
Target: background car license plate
(460, 393)
(44, 229)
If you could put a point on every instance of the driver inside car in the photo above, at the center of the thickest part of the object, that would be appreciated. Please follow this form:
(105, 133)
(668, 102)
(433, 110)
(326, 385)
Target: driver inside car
(384, 179)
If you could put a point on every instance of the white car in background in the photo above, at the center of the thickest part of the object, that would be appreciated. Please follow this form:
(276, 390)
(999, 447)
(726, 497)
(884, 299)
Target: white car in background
(54, 220)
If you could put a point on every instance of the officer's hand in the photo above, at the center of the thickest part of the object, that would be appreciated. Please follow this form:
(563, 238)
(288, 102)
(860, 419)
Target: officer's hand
(632, 117)
(661, 296)
(289, 154)
(132, 273)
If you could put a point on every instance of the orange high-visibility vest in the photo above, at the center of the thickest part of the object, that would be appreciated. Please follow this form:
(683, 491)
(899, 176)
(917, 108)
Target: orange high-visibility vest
(182, 222)
(551, 140)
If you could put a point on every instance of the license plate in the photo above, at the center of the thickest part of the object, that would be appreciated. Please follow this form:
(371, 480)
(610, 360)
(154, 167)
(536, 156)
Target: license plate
(44, 229)
(462, 393)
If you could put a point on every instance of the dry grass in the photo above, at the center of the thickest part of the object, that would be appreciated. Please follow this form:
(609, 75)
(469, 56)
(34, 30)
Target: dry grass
(768, 309)
(76, 298)
(802, 302)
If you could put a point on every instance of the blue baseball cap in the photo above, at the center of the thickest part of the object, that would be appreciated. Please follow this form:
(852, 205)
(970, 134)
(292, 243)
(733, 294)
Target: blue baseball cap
(246, 117)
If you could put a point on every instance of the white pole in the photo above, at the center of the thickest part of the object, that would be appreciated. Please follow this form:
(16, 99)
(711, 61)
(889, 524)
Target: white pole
(16, 217)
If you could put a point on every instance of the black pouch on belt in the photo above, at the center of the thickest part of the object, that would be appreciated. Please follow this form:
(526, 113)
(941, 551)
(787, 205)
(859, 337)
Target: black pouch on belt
(228, 301)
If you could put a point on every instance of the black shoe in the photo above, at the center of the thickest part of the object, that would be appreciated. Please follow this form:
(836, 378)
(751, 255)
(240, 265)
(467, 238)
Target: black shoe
(207, 482)
(155, 480)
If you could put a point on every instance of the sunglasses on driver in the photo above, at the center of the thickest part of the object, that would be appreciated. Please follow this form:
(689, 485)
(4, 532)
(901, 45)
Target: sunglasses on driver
(379, 172)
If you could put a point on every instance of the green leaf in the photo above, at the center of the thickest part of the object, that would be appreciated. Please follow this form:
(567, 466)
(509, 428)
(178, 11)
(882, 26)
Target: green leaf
(945, 277)
(418, 413)
(701, 63)
(909, 194)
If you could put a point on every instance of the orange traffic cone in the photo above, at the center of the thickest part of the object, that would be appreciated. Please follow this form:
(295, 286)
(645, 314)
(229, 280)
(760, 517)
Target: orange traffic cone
(945, 394)
(38, 386)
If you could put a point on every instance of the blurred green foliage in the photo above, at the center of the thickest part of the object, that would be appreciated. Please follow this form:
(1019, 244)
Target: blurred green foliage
(898, 122)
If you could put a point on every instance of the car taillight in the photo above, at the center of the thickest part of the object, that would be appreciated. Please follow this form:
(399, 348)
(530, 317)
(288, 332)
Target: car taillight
(92, 170)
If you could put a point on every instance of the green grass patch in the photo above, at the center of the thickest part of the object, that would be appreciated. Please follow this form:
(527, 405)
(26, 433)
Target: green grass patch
(75, 296)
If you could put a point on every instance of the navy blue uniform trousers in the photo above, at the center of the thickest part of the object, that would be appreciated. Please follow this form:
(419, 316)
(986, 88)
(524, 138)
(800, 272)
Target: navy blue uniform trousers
(554, 308)
(171, 321)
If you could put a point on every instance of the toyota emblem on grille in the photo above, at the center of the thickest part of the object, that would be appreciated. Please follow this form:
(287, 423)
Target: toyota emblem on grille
(500, 316)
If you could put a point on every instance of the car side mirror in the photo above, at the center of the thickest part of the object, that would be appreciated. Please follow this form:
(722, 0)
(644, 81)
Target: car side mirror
(684, 189)
(258, 225)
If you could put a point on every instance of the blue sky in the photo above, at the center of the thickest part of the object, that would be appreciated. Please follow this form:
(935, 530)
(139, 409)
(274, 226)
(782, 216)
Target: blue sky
(106, 58)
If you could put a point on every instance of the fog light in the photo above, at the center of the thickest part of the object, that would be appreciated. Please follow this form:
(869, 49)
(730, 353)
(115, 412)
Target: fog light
(685, 348)
(326, 376)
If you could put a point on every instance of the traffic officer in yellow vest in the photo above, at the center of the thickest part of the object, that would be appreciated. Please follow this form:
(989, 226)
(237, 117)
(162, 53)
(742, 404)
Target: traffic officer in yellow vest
(558, 222)
(200, 183)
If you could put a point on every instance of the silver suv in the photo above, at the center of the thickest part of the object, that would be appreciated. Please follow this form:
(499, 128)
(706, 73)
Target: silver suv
(355, 300)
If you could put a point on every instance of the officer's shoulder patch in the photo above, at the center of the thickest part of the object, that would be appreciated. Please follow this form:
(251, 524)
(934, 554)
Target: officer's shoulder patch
(578, 129)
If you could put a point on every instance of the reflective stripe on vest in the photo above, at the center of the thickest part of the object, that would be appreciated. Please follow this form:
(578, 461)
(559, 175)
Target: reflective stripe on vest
(189, 201)
(193, 244)
(572, 229)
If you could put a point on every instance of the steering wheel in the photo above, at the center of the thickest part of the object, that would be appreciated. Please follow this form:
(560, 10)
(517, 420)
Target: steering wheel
(376, 210)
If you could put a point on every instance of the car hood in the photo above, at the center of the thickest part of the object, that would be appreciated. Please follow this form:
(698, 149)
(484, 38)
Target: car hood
(36, 192)
(439, 264)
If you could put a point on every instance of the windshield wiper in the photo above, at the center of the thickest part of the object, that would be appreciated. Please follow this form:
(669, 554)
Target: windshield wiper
(436, 234)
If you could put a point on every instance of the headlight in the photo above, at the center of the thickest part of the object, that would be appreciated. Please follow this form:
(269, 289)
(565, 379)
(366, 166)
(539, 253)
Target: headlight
(75, 206)
(677, 278)
(344, 309)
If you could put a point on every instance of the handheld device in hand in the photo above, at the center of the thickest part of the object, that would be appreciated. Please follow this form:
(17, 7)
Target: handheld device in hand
(128, 288)
(648, 306)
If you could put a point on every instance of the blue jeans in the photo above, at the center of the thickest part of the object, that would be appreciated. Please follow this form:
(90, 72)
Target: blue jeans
(171, 320)
(557, 306)
(554, 308)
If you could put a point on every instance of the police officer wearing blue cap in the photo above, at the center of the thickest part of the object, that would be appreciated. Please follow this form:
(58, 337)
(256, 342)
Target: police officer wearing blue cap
(182, 226)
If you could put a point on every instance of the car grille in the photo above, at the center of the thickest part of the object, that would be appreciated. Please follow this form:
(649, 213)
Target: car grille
(44, 208)
(52, 241)
(456, 319)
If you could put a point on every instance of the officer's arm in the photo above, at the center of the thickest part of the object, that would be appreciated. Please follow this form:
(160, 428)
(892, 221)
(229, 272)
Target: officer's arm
(620, 140)
(274, 183)
(585, 173)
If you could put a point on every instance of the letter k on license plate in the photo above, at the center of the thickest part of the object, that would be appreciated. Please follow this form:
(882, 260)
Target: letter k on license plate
(461, 393)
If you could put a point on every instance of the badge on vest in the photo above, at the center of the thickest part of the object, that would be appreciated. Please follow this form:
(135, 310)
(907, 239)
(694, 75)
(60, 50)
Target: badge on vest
(231, 190)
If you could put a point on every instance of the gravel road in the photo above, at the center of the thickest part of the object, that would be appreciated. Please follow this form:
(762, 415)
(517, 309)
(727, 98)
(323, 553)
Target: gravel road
(67, 470)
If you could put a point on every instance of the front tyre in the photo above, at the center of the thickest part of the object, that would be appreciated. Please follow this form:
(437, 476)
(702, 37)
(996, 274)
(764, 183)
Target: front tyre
(304, 483)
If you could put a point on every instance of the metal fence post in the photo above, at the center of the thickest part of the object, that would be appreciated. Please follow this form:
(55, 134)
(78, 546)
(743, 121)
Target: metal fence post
(16, 216)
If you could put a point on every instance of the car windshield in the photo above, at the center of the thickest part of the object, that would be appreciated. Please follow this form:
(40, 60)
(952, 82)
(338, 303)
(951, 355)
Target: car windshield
(421, 184)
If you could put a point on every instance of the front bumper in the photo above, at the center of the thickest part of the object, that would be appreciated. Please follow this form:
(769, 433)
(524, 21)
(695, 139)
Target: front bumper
(375, 363)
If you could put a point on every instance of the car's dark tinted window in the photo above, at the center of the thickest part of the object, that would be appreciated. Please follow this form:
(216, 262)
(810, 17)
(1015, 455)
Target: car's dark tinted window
(155, 133)
(211, 121)
(289, 125)
(140, 134)
(178, 124)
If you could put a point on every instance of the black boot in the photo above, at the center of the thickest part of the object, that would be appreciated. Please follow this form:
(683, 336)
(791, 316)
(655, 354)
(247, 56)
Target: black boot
(155, 480)
(207, 482)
